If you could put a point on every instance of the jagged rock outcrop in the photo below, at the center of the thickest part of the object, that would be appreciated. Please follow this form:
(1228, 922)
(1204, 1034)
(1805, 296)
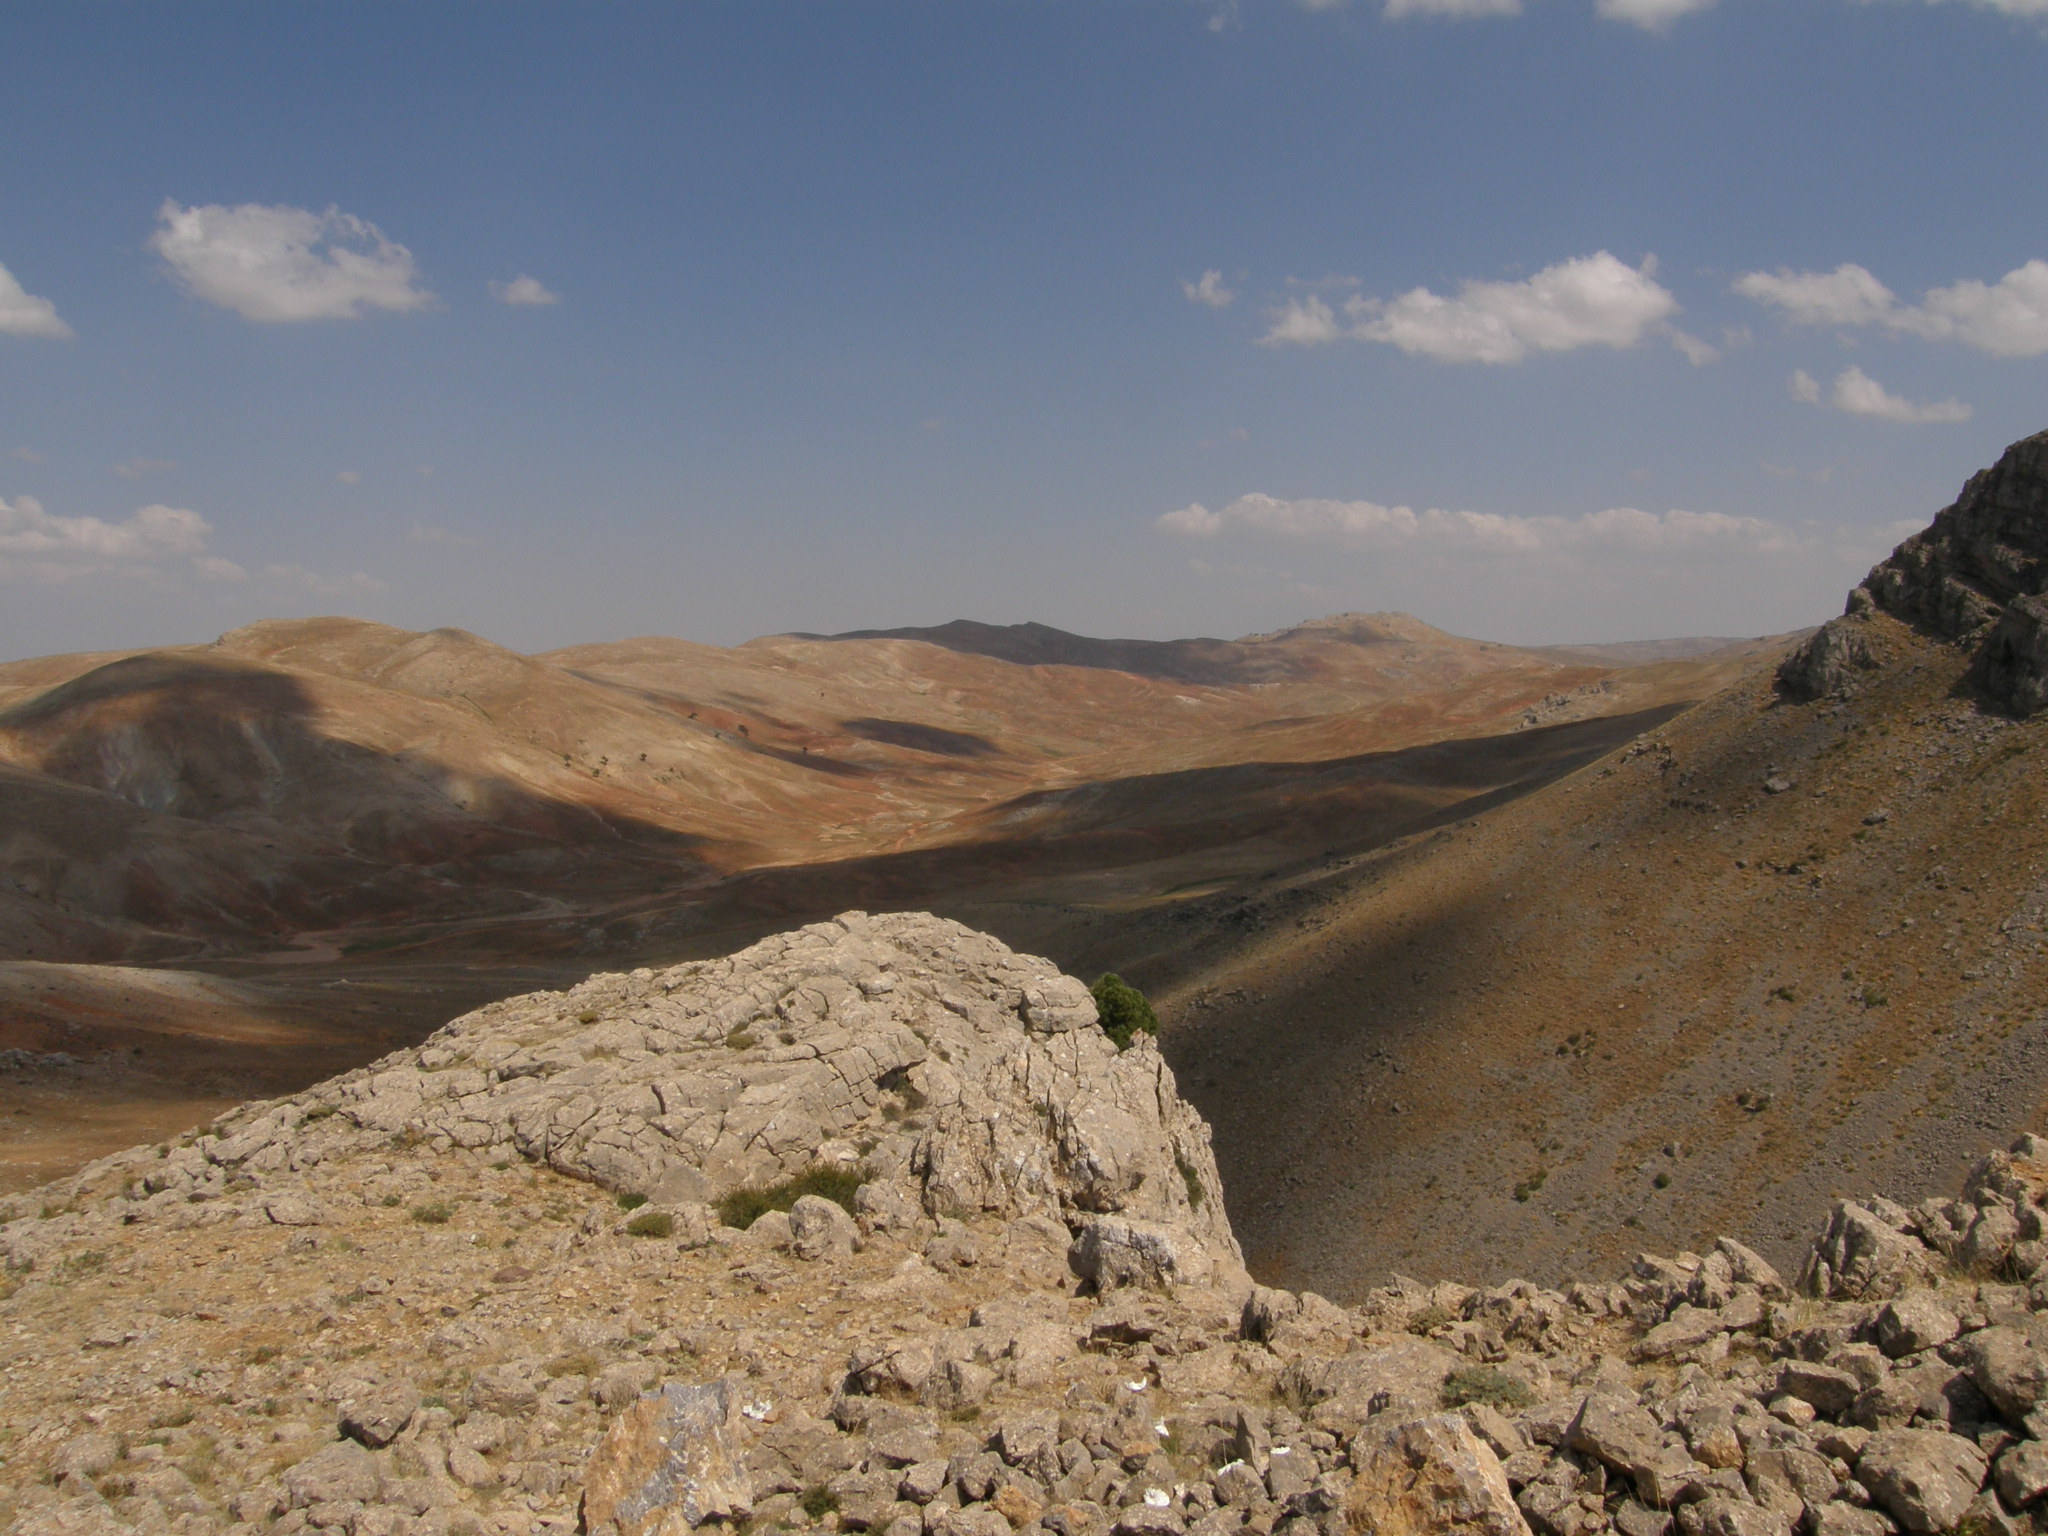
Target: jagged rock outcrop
(955, 1077)
(356, 1314)
(1976, 575)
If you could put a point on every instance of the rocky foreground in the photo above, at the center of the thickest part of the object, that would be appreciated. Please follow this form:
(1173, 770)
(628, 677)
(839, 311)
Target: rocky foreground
(486, 1286)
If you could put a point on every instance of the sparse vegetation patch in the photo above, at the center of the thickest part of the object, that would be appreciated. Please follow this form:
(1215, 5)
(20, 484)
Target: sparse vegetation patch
(745, 1206)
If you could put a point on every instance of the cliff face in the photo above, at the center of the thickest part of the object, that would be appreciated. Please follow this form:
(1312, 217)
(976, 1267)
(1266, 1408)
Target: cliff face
(1975, 576)
(477, 1290)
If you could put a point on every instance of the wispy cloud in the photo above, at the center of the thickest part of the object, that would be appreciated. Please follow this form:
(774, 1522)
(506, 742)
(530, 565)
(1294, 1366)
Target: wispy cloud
(447, 538)
(137, 469)
(157, 544)
(2008, 318)
(1208, 289)
(524, 290)
(278, 263)
(1457, 9)
(1369, 527)
(348, 476)
(46, 547)
(23, 314)
(355, 584)
(1650, 15)
(27, 455)
(1595, 300)
(1857, 393)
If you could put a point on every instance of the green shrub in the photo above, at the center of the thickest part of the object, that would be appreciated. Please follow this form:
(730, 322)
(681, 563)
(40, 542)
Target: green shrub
(743, 1207)
(1484, 1384)
(631, 1202)
(1124, 1012)
(818, 1501)
(652, 1224)
(434, 1213)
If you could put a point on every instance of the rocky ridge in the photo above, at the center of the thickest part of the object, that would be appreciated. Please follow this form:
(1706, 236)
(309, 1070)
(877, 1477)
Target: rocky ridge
(1976, 576)
(481, 1287)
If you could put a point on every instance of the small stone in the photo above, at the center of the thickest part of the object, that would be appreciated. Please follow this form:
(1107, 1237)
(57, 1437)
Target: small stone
(342, 1473)
(667, 1464)
(820, 1228)
(1015, 1506)
(1836, 1518)
(88, 1455)
(2008, 1367)
(1924, 1478)
(1915, 1321)
(292, 1211)
(1632, 1519)
(1429, 1477)
(1792, 1410)
(1816, 1388)
(2022, 1473)
(377, 1414)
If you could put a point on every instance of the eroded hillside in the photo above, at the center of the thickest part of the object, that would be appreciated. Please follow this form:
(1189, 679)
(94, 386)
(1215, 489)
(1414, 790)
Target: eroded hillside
(1786, 946)
(366, 830)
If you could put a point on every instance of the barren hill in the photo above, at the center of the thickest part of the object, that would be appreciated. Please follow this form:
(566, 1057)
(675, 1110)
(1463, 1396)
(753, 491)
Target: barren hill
(1786, 946)
(378, 828)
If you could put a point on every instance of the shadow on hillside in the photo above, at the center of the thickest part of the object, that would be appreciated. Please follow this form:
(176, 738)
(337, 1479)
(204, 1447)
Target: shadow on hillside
(237, 812)
(1288, 811)
(921, 738)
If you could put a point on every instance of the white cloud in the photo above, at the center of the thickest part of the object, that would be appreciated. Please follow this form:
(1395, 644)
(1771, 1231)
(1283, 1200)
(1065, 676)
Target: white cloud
(1369, 527)
(136, 469)
(428, 533)
(154, 533)
(281, 263)
(2008, 318)
(42, 547)
(1455, 8)
(1303, 322)
(1650, 15)
(1857, 393)
(1804, 387)
(1210, 291)
(1849, 295)
(1592, 300)
(524, 290)
(157, 544)
(27, 455)
(23, 314)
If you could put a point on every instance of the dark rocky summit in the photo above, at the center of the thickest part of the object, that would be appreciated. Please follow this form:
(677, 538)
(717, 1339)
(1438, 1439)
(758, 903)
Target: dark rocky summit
(1976, 576)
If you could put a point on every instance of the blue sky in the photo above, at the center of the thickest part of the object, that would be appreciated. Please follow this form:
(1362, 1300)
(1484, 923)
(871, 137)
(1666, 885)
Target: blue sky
(1567, 320)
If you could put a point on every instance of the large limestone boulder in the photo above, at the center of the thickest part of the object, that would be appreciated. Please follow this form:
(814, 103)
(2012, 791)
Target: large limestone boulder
(959, 1078)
